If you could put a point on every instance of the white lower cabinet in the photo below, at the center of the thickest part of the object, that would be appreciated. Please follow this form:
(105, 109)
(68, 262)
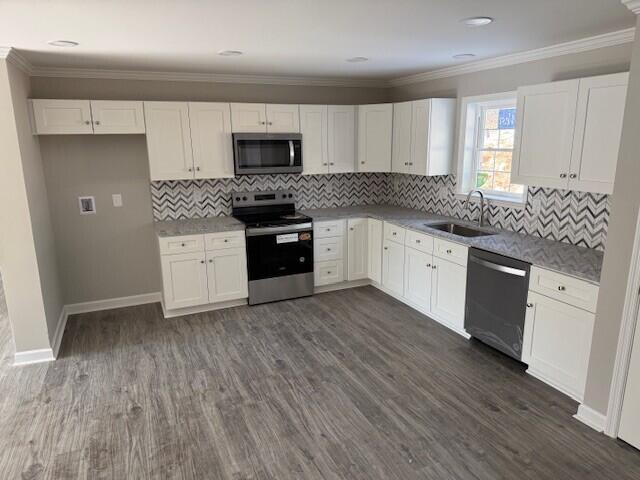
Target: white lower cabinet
(329, 272)
(184, 278)
(417, 277)
(374, 247)
(357, 251)
(448, 292)
(393, 267)
(328, 252)
(227, 274)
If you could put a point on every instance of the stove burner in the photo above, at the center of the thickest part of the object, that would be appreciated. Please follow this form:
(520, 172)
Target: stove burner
(293, 216)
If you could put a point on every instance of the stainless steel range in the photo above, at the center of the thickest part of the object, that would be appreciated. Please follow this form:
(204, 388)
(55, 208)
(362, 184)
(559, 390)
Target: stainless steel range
(279, 245)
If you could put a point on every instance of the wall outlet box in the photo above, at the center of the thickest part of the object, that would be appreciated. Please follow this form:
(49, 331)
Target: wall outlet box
(117, 199)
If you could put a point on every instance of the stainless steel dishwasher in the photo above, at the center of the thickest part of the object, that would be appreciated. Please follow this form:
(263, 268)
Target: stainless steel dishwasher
(496, 300)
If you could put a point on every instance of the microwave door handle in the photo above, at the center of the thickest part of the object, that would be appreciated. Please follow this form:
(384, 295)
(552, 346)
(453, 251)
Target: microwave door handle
(292, 153)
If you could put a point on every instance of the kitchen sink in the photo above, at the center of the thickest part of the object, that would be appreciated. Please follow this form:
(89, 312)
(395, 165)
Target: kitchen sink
(457, 229)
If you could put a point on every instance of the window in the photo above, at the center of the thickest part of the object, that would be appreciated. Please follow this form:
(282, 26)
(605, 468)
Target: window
(487, 148)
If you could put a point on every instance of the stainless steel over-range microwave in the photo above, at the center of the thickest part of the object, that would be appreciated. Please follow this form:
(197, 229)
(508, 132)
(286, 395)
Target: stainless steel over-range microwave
(261, 153)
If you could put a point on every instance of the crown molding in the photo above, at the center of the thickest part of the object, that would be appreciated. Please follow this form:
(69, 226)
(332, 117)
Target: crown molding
(204, 77)
(583, 45)
(633, 5)
(13, 56)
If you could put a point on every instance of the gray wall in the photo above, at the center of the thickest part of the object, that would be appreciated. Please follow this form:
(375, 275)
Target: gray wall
(624, 213)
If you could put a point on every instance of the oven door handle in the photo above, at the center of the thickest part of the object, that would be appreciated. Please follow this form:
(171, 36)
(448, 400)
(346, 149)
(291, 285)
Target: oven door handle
(499, 268)
(256, 232)
(292, 153)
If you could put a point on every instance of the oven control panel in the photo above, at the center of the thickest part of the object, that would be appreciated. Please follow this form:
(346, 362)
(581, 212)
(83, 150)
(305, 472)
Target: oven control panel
(269, 197)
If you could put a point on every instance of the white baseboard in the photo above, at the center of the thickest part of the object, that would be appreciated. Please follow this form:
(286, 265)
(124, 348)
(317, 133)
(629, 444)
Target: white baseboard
(202, 308)
(591, 418)
(110, 303)
(29, 357)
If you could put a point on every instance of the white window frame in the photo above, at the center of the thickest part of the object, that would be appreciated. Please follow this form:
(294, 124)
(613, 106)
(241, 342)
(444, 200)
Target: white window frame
(469, 134)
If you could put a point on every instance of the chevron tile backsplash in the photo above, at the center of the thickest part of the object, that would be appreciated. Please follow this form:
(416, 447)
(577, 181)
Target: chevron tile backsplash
(572, 217)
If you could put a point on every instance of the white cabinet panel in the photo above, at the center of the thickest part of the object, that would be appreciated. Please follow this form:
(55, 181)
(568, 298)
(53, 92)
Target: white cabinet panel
(329, 228)
(183, 244)
(374, 240)
(420, 127)
(211, 140)
(546, 116)
(448, 292)
(432, 136)
(248, 118)
(393, 267)
(117, 117)
(184, 277)
(374, 137)
(283, 118)
(559, 345)
(227, 274)
(329, 272)
(417, 277)
(600, 112)
(394, 233)
(220, 240)
(564, 288)
(313, 126)
(341, 135)
(357, 250)
(401, 151)
(168, 140)
(419, 241)
(62, 116)
(327, 248)
(451, 251)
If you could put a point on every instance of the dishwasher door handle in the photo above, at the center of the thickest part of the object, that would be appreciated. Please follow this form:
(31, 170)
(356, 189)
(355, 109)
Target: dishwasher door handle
(500, 268)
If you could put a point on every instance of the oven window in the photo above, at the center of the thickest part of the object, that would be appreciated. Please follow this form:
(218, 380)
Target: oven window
(267, 258)
(266, 153)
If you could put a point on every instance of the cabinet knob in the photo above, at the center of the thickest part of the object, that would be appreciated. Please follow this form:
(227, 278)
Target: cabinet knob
(329, 272)
(386, 248)
(428, 265)
(361, 163)
(410, 163)
(201, 261)
(351, 229)
(197, 169)
(190, 169)
(263, 123)
(97, 122)
(331, 163)
(211, 260)
(394, 233)
(226, 240)
(406, 163)
(270, 123)
(433, 267)
(562, 288)
(328, 249)
(563, 175)
(418, 241)
(449, 252)
(325, 163)
(87, 122)
(573, 175)
(529, 305)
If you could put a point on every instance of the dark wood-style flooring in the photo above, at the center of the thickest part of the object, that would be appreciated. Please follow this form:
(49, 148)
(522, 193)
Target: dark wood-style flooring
(344, 385)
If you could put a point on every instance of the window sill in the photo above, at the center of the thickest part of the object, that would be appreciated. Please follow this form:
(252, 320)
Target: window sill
(496, 200)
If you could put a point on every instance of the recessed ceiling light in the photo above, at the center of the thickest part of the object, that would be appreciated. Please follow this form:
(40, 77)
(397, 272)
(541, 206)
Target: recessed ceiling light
(63, 43)
(477, 21)
(357, 59)
(464, 56)
(229, 53)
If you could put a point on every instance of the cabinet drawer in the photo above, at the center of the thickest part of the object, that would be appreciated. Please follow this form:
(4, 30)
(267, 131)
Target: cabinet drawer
(327, 249)
(328, 229)
(564, 288)
(394, 233)
(453, 252)
(326, 273)
(419, 241)
(185, 244)
(220, 240)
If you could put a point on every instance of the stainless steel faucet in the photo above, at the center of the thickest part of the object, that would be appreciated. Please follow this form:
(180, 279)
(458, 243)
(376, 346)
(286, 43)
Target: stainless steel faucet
(466, 205)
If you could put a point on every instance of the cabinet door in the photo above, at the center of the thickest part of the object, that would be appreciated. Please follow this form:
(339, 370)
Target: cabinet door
(374, 240)
(374, 137)
(184, 277)
(546, 116)
(417, 277)
(357, 249)
(168, 140)
(283, 118)
(559, 343)
(115, 117)
(401, 153)
(227, 274)
(341, 132)
(248, 118)
(393, 267)
(420, 126)
(448, 292)
(211, 140)
(313, 126)
(54, 117)
(601, 102)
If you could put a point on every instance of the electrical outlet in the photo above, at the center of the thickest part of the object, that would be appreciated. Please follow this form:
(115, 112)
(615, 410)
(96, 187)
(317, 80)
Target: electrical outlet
(117, 199)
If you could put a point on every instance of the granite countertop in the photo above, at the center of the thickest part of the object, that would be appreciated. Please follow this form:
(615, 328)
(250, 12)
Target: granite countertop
(195, 226)
(579, 262)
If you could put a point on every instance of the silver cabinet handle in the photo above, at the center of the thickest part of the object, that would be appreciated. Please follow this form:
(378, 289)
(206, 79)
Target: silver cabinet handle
(562, 288)
(563, 175)
(573, 175)
(529, 305)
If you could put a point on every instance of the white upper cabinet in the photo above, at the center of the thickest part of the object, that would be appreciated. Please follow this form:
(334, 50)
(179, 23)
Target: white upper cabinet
(401, 154)
(169, 140)
(546, 116)
(249, 117)
(313, 126)
(283, 118)
(568, 133)
(374, 137)
(117, 117)
(598, 130)
(211, 140)
(51, 117)
(341, 138)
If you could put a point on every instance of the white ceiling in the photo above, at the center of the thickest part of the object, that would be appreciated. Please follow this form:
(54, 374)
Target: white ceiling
(294, 37)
